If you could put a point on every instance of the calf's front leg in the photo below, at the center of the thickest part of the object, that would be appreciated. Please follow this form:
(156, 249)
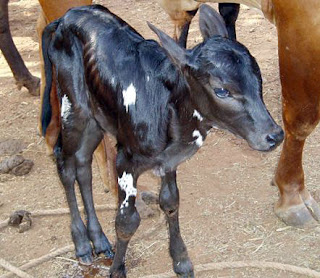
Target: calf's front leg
(127, 218)
(169, 203)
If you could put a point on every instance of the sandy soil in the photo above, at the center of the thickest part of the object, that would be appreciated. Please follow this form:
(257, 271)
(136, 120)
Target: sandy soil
(226, 198)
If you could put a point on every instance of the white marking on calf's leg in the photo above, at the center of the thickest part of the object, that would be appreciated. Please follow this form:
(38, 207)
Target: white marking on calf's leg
(199, 140)
(126, 184)
(197, 115)
(129, 96)
(65, 108)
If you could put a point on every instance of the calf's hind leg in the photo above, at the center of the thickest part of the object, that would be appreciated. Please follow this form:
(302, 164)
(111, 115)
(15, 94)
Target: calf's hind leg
(80, 136)
(66, 164)
(91, 138)
(169, 203)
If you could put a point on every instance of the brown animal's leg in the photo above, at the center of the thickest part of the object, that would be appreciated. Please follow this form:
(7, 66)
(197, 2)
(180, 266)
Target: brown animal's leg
(296, 206)
(299, 61)
(41, 23)
(181, 27)
(21, 74)
(105, 155)
(53, 129)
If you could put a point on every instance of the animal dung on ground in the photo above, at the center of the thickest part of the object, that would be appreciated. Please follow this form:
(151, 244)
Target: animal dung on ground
(16, 165)
(22, 219)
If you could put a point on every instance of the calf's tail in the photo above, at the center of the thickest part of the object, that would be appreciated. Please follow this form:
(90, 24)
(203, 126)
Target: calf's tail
(46, 112)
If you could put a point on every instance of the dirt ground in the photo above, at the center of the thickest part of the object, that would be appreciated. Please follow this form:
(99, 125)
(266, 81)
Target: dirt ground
(227, 202)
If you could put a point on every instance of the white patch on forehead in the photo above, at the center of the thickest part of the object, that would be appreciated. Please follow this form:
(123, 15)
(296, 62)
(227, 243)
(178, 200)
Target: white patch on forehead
(197, 115)
(129, 96)
(199, 140)
(65, 108)
(112, 80)
(126, 184)
(148, 77)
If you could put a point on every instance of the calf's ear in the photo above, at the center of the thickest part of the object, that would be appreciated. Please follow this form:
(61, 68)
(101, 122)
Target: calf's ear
(211, 23)
(178, 55)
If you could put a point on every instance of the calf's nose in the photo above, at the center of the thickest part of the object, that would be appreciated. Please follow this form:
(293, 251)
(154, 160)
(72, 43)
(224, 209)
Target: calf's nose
(274, 139)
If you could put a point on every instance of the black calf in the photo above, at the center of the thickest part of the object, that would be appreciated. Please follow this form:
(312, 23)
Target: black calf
(158, 102)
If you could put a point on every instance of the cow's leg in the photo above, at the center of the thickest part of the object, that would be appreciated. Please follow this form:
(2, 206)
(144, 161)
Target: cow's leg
(20, 72)
(105, 155)
(230, 13)
(182, 29)
(299, 74)
(169, 203)
(127, 218)
(91, 137)
(41, 24)
(296, 206)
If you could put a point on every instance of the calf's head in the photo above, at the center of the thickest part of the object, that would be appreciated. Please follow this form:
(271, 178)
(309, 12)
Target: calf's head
(225, 83)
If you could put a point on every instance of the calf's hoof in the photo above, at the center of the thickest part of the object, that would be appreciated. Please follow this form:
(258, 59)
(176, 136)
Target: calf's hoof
(86, 259)
(186, 275)
(306, 214)
(118, 273)
(183, 269)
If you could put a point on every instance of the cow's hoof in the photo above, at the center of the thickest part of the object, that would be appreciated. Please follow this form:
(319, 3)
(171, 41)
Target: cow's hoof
(183, 269)
(86, 259)
(32, 84)
(297, 216)
(313, 208)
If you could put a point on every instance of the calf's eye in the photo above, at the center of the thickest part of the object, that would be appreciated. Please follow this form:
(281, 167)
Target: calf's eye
(222, 93)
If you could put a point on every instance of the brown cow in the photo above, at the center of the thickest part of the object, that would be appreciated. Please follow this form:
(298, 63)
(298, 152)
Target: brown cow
(298, 26)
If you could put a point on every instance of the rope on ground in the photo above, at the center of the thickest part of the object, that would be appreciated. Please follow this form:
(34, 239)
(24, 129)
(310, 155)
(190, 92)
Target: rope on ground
(40, 260)
(59, 211)
(68, 248)
(14, 270)
(198, 268)
(241, 264)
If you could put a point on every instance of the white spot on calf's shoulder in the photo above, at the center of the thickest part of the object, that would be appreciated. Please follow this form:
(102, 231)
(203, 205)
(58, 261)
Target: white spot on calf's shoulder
(65, 108)
(199, 139)
(129, 96)
(126, 184)
(197, 115)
